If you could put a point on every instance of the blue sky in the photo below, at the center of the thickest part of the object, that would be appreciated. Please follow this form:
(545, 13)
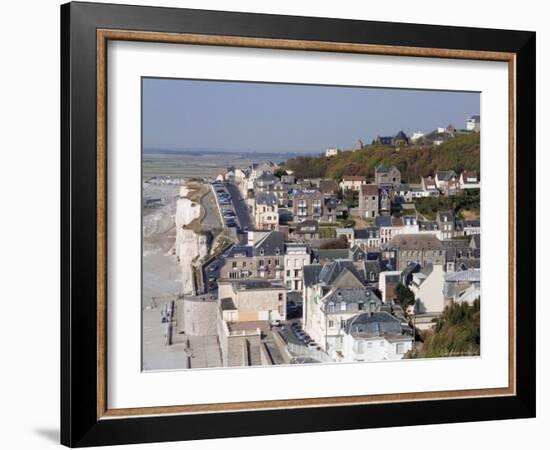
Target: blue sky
(270, 117)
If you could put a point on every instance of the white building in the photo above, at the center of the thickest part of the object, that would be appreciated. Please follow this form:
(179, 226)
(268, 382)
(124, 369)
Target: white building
(296, 257)
(416, 136)
(352, 182)
(469, 180)
(331, 152)
(377, 336)
(427, 286)
(473, 123)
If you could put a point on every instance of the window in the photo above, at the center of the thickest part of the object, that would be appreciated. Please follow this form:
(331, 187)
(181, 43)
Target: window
(296, 273)
(381, 343)
(331, 307)
(360, 306)
(280, 297)
(400, 348)
(342, 324)
(331, 323)
(234, 264)
(343, 306)
(277, 262)
(262, 263)
(369, 344)
(372, 276)
(288, 273)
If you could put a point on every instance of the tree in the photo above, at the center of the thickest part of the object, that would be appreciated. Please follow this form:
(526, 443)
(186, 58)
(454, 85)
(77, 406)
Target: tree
(456, 333)
(280, 172)
(404, 296)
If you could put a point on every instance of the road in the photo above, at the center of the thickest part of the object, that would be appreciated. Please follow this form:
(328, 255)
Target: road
(241, 209)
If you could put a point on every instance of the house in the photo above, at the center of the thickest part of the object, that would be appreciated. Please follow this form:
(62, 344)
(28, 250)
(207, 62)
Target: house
(265, 182)
(246, 310)
(429, 187)
(281, 191)
(297, 256)
(442, 177)
(452, 187)
(328, 187)
(375, 336)
(368, 200)
(385, 177)
(469, 180)
(427, 286)
(337, 302)
(308, 205)
(319, 279)
(404, 192)
(467, 227)
(331, 152)
(473, 123)
(422, 249)
(367, 238)
(459, 255)
(352, 182)
(307, 230)
(389, 226)
(400, 139)
(262, 257)
(252, 300)
(446, 223)
(428, 227)
(288, 179)
(463, 286)
(266, 211)
(358, 145)
(330, 210)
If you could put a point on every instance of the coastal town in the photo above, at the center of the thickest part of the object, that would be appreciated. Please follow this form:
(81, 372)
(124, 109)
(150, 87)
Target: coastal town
(377, 259)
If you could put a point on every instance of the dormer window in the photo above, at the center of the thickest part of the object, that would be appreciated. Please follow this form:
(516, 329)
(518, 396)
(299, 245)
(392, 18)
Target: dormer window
(277, 251)
(261, 251)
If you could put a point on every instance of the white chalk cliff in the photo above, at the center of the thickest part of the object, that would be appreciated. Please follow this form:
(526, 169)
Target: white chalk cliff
(190, 246)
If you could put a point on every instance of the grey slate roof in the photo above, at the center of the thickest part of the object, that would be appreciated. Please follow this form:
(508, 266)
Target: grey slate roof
(271, 245)
(383, 221)
(337, 253)
(472, 276)
(427, 225)
(445, 175)
(375, 324)
(367, 233)
(240, 250)
(331, 270)
(401, 135)
(266, 198)
(311, 274)
(355, 299)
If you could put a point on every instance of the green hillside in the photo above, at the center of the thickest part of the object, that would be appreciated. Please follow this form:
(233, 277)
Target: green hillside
(458, 153)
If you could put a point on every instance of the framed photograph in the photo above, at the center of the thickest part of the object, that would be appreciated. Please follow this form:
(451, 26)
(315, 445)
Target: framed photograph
(272, 224)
